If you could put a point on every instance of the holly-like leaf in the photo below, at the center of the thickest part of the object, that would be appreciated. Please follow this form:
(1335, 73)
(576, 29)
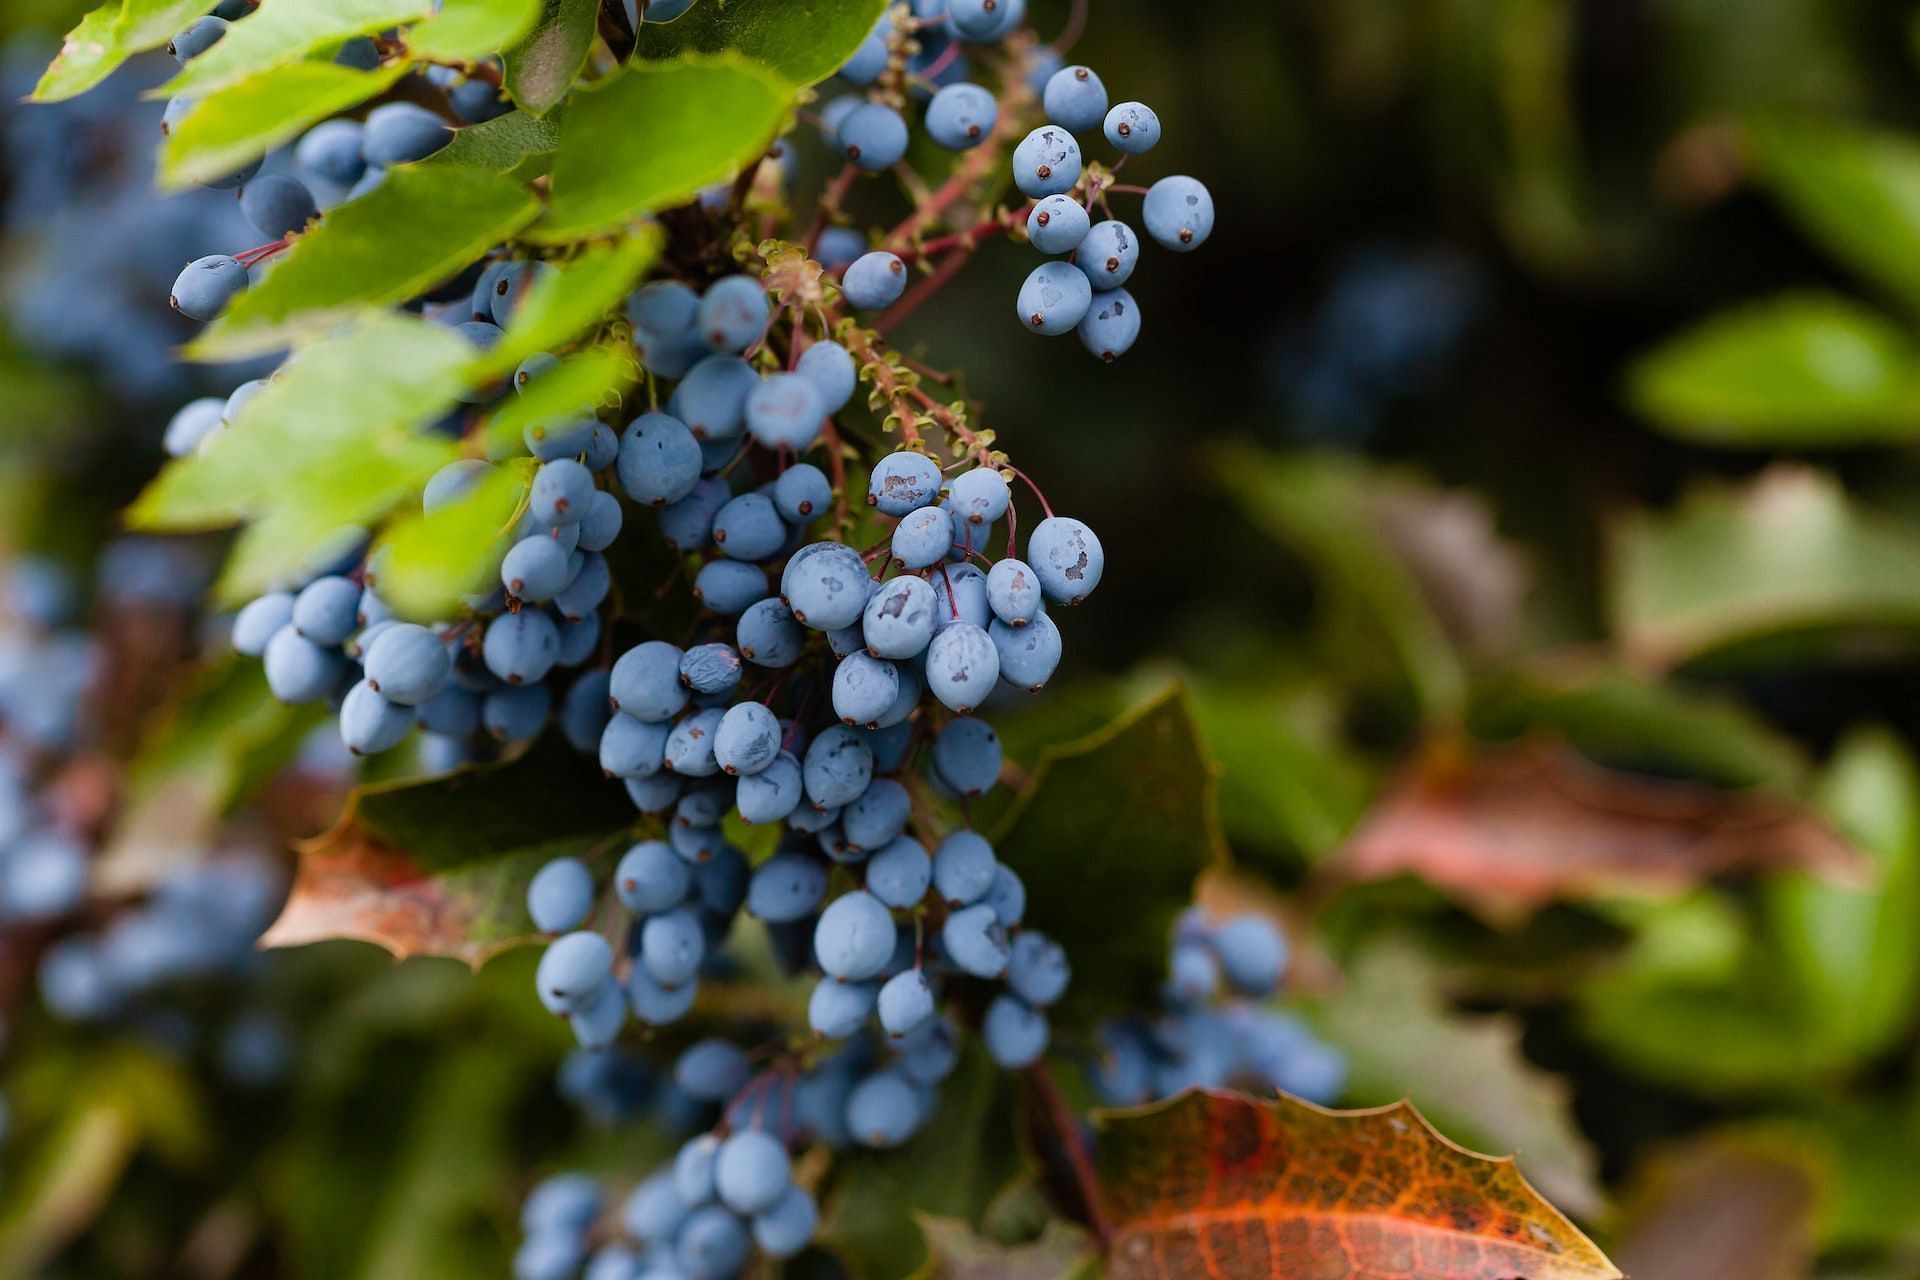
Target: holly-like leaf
(1856, 191)
(1805, 370)
(1787, 554)
(576, 296)
(1221, 1184)
(107, 37)
(541, 68)
(1509, 830)
(1403, 1040)
(278, 33)
(421, 225)
(805, 41)
(351, 404)
(440, 867)
(654, 136)
(236, 125)
(468, 30)
(955, 1251)
(1615, 717)
(1137, 798)
(583, 382)
(517, 144)
(1328, 509)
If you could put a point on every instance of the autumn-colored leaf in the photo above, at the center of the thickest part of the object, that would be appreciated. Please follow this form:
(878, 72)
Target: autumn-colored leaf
(1507, 831)
(441, 867)
(1231, 1187)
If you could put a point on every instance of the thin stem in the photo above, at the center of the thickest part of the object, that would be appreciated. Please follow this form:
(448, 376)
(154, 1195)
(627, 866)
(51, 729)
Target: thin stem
(830, 201)
(1076, 24)
(922, 289)
(1061, 1117)
(1044, 504)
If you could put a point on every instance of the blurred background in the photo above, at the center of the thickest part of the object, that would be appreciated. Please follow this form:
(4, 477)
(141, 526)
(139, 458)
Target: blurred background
(1522, 480)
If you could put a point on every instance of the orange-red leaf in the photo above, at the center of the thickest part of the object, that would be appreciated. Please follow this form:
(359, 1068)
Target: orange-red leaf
(1230, 1187)
(1511, 830)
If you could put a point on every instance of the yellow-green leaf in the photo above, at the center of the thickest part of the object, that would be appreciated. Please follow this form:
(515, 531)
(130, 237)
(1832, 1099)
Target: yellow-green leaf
(589, 380)
(236, 125)
(541, 68)
(283, 31)
(426, 563)
(421, 225)
(563, 305)
(107, 37)
(465, 30)
(805, 41)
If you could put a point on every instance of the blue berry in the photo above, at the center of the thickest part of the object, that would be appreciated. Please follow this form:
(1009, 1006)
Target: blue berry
(1047, 162)
(727, 587)
(1067, 557)
(535, 568)
(520, 648)
(962, 666)
(1132, 127)
(1108, 254)
(976, 941)
(875, 280)
(733, 314)
(206, 285)
(899, 874)
(855, 937)
(785, 412)
(752, 1172)
(562, 492)
(1057, 224)
(399, 132)
(1179, 213)
(712, 398)
(967, 757)
(837, 767)
(747, 740)
(201, 35)
(802, 493)
(659, 460)
(254, 626)
(837, 1009)
(900, 618)
(905, 1003)
(1111, 325)
(873, 136)
(787, 1227)
(1029, 654)
(769, 636)
(749, 527)
(827, 586)
(573, 969)
(883, 1110)
(1075, 99)
(830, 369)
(902, 482)
(1015, 1035)
(278, 205)
(1054, 298)
(408, 664)
(961, 116)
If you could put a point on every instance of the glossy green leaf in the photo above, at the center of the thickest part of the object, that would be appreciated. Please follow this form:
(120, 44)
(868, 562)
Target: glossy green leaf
(1617, 718)
(1323, 506)
(582, 383)
(1854, 950)
(359, 397)
(1789, 552)
(1855, 190)
(424, 564)
(805, 41)
(653, 136)
(283, 31)
(234, 126)
(1138, 796)
(564, 305)
(468, 30)
(542, 67)
(1800, 370)
(516, 144)
(107, 37)
(423, 224)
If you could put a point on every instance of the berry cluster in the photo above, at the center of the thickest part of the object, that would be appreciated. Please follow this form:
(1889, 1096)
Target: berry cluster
(1214, 1033)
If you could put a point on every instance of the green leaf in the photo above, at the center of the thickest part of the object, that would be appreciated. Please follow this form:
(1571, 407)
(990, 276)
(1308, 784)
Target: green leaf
(107, 37)
(516, 144)
(1854, 950)
(1324, 507)
(654, 136)
(352, 402)
(1788, 552)
(468, 30)
(1619, 719)
(1854, 190)
(280, 31)
(1468, 1074)
(584, 382)
(1799, 370)
(573, 298)
(1138, 795)
(541, 68)
(440, 867)
(805, 41)
(423, 224)
(953, 1168)
(232, 127)
(424, 564)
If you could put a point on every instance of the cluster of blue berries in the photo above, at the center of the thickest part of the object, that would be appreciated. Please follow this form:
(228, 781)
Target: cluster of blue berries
(1214, 1032)
(1086, 292)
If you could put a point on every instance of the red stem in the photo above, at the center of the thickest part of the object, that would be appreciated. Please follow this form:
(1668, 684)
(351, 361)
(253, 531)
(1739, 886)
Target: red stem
(1061, 1117)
